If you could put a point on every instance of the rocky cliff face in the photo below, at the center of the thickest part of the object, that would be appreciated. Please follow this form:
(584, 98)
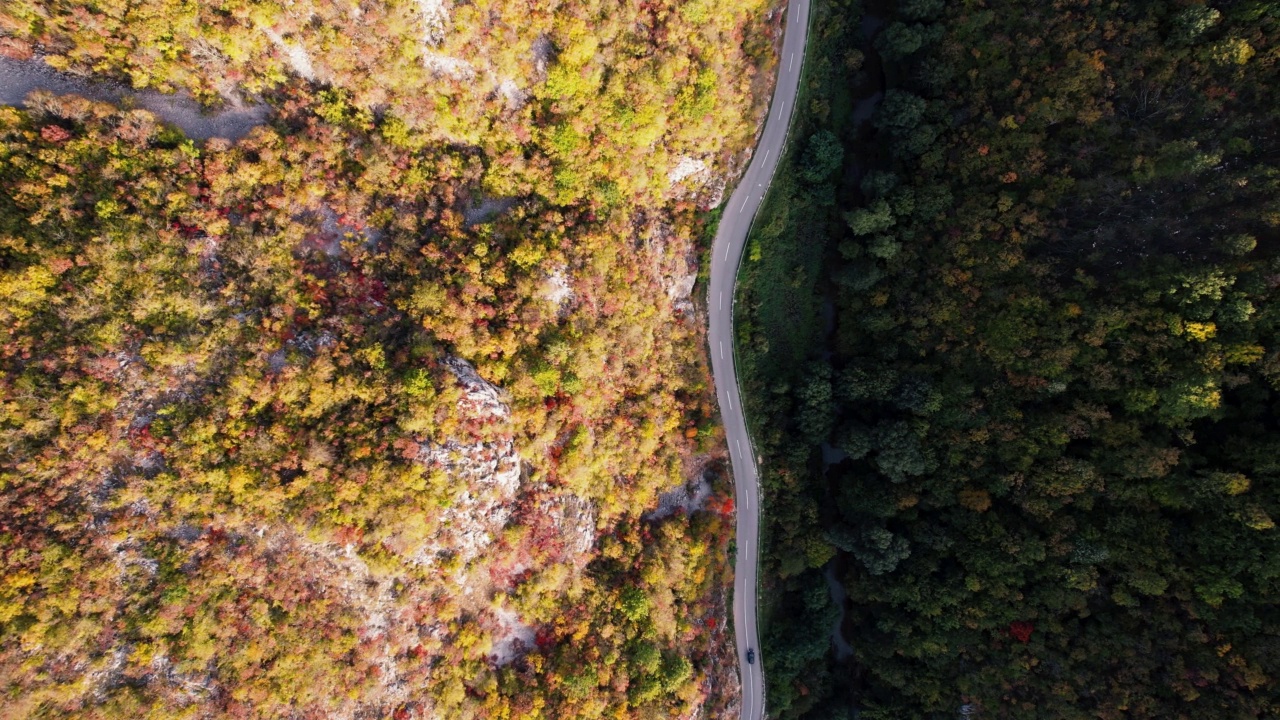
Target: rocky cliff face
(487, 535)
(486, 472)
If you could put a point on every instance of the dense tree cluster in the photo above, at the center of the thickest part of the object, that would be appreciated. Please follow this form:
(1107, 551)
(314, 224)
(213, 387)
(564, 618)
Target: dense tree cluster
(1015, 370)
(258, 401)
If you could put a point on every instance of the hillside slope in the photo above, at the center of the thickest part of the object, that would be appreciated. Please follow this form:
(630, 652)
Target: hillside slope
(365, 414)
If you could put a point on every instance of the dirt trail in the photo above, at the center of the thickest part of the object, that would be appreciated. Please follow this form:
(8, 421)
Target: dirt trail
(18, 78)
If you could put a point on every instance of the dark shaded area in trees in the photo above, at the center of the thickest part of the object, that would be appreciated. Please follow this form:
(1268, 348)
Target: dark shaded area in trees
(1054, 371)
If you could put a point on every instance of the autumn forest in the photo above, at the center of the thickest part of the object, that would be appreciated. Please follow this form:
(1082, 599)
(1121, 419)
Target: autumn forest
(395, 403)
(395, 407)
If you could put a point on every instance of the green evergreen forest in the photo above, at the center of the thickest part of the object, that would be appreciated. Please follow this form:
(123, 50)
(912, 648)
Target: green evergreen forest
(1008, 335)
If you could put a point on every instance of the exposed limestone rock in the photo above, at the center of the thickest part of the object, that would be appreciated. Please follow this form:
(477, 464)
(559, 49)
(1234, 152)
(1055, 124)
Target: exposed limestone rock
(435, 16)
(447, 66)
(575, 518)
(688, 498)
(435, 21)
(688, 167)
(692, 178)
(295, 54)
(511, 92)
(543, 51)
(513, 638)
(483, 399)
(673, 260)
(681, 286)
(488, 475)
(557, 290)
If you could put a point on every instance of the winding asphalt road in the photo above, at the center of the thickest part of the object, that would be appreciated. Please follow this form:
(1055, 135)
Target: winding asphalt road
(726, 253)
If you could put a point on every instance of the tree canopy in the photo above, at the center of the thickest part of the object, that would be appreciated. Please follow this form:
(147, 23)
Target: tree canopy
(369, 413)
(1039, 456)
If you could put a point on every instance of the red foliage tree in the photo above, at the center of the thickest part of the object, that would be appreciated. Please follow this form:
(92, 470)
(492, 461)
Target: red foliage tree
(1021, 630)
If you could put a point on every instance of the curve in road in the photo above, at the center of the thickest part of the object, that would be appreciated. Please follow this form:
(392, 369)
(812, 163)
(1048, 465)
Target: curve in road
(726, 253)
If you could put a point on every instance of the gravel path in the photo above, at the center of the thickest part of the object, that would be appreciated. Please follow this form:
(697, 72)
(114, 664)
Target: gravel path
(18, 78)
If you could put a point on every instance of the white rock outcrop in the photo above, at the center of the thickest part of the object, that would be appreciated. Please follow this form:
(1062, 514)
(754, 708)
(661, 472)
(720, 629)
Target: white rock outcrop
(514, 638)
(295, 54)
(575, 519)
(448, 66)
(557, 290)
(674, 262)
(487, 474)
(511, 92)
(686, 168)
(687, 498)
(435, 17)
(483, 399)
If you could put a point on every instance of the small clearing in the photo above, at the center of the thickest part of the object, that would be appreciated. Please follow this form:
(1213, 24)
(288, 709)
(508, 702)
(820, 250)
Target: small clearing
(513, 638)
(488, 209)
(295, 54)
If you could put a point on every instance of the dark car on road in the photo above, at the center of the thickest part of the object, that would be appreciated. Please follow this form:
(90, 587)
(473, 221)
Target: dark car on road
(751, 656)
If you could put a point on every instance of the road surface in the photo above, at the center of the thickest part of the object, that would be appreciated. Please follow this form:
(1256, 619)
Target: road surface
(726, 252)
